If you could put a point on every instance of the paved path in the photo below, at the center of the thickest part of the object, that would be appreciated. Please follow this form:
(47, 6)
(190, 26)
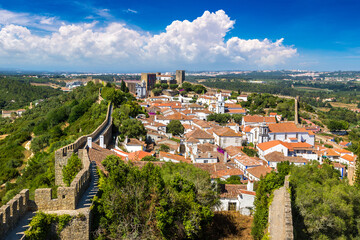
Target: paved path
(277, 215)
(18, 232)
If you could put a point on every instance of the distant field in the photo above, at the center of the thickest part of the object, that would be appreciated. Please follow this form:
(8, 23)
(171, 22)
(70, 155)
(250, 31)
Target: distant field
(312, 89)
(344, 105)
(45, 85)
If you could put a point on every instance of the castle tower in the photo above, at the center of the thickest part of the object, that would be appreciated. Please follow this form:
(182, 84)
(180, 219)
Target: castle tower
(180, 76)
(220, 104)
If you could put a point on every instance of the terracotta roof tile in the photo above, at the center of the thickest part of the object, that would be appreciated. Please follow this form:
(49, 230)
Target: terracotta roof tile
(259, 171)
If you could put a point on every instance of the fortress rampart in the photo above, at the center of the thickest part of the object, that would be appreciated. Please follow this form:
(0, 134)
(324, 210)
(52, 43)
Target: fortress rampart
(13, 211)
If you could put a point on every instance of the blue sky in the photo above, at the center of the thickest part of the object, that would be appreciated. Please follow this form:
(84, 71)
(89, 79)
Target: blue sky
(130, 36)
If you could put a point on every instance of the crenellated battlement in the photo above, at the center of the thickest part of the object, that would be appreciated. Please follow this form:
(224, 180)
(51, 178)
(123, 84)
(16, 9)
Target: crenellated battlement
(13, 211)
(67, 197)
(63, 154)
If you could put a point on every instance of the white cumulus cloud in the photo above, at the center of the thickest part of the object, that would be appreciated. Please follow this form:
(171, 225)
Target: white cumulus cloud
(201, 42)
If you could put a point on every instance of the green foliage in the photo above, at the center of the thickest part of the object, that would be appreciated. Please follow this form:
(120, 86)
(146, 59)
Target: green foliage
(173, 86)
(16, 93)
(41, 226)
(151, 203)
(357, 173)
(334, 125)
(123, 87)
(72, 168)
(157, 91)
(150, 159)
(250, 152)
(230, 180)
(328, 145)
(324, 206)
(164, 148)
(164, 86)
(175, 127)
(132, 128)
(219, 117)
(262, 201)
(196, 88)
(39, 171)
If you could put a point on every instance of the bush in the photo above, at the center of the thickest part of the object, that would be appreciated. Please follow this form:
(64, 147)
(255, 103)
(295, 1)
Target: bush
(71, 169)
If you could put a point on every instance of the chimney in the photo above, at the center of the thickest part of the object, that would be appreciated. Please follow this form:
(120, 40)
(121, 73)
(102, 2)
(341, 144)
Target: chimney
(225, 157)
(126, 139)
(102, 145)
(140, 138)
(209, 155)
(89, 142)
(250, 185)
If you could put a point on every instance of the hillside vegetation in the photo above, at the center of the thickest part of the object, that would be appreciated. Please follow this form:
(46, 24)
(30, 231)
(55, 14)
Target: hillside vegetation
(50, 125)
(15, 93)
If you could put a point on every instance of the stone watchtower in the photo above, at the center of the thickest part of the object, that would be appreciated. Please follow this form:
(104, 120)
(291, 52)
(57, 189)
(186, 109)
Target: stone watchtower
(180, 76)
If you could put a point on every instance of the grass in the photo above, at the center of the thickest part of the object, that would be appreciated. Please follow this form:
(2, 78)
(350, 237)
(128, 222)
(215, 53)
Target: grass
(312, 89)
(229, 225)
(344, 105)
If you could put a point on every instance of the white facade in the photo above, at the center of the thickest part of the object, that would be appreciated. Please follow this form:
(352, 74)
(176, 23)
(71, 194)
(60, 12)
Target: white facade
(278, 148)
(301, 136)
(134, 148)
(224, 142)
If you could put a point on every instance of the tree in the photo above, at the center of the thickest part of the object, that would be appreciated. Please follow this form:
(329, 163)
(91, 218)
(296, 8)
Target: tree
(173, 86)
(150, 159)
(157, 91)
(335, 125)
(123, 87)
(172, 202)
(132, 128)
(164, 148)
(175, 127)
(187, 86)
(164, 86)
(72, 168)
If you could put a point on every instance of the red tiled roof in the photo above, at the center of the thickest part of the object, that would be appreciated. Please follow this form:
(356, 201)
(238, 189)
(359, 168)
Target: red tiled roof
(227, 132)
(259, 171)
(259, 119)
(138, 155)
(285, 127)
(173, 156)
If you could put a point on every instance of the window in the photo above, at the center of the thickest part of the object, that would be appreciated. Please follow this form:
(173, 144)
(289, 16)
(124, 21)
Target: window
(205, 161)
(232, 206)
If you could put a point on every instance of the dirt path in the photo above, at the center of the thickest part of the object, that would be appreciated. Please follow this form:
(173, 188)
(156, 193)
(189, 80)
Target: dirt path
(277, 215)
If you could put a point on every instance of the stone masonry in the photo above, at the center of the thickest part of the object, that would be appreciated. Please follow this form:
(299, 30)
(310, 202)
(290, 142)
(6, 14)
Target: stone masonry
(13, 211)
(280, 216)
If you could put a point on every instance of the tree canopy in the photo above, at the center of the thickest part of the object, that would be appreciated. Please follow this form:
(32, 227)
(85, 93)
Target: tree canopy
(175, 127)
(172, 202)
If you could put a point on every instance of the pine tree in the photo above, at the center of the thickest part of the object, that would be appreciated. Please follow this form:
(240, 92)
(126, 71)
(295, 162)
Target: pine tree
(123, 87)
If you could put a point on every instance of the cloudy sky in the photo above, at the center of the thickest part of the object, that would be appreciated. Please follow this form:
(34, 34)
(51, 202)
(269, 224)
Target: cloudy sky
(149, 35)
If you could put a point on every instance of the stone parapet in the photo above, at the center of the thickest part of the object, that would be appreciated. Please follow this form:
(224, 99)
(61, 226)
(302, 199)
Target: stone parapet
(13, 211)
(64, 153)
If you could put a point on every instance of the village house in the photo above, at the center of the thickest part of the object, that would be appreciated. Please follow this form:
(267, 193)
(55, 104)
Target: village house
(133, 145)
(225, 137)
(255, 120)
(235, 197)
(255, 173)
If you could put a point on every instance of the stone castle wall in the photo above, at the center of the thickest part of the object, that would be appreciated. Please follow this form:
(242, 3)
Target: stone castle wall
(13, 211)
(64, 153)
(68, 197)
(280, 223)
(289, 230)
